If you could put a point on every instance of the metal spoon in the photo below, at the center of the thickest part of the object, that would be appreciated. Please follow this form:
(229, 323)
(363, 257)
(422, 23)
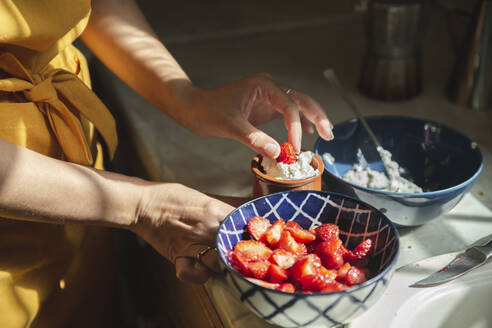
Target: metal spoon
(330, 76)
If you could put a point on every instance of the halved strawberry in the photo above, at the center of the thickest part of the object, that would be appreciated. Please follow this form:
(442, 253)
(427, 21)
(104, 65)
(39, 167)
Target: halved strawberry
(327, 231)
(239, 262)
(354, 276)
(257, 226)
(263, 283)
(276, 274)
(299, 234)
(306, 270)
(282, 258)
(330, 253)
(259, 269)
(287, 287)
(287, 154)
(273, 234)
(360, 252)
(253, 250)
(288, 243)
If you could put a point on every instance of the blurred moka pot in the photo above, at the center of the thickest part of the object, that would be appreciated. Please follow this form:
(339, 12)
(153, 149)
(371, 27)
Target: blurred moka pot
(470, 83)
(392, 65)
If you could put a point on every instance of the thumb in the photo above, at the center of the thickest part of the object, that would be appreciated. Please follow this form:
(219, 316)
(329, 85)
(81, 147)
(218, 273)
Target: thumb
(257, 140)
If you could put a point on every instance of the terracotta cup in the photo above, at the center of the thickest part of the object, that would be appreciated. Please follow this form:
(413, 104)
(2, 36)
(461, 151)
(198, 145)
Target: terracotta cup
(264, 184)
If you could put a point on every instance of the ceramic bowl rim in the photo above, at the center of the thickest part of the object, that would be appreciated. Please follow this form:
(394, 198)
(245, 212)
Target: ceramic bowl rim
(403, 194)
(351, 289)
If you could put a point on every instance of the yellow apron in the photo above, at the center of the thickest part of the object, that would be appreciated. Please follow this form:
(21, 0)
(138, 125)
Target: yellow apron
(46, 105)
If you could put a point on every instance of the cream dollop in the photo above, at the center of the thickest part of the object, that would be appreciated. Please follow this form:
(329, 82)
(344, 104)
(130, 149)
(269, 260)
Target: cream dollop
(302, 169)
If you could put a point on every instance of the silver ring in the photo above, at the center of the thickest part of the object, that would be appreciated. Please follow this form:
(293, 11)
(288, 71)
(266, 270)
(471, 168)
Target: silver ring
(288, 91)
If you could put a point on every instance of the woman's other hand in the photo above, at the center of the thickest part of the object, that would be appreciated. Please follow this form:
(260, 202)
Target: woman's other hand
(180, 222)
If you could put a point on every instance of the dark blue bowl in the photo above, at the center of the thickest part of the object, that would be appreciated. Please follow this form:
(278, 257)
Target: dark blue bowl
(357, 221)
(441, 160)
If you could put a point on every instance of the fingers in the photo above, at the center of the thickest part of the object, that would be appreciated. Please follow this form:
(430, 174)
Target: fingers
(256, 139)
(188, 270)
(200, 262)
(314, 113)
(284, 103)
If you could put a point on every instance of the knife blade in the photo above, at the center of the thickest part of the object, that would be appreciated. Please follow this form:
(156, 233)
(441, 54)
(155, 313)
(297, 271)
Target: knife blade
(474, 256)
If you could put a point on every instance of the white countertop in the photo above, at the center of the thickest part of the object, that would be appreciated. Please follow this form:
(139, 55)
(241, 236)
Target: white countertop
(170, 153)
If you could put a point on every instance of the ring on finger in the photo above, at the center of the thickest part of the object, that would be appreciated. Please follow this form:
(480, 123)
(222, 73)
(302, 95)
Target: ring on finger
(200, 254)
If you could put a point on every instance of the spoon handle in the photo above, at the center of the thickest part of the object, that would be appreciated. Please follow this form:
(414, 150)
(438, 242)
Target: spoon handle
(332, 78)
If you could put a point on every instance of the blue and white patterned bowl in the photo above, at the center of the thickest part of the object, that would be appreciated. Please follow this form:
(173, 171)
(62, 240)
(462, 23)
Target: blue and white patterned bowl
(440, 159)
(356, 220)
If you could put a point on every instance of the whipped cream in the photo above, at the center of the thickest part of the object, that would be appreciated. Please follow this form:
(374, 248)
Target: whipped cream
(301, 169)
(361, 174)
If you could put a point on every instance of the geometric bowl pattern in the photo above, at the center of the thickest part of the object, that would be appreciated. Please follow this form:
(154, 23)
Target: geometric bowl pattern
(356, 220)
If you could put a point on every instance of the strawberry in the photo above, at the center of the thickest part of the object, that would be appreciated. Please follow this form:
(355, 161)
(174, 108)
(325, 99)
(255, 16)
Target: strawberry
(306, 271)
(259, 269)
(301, 235)
(273, 234)
(282, 258)
(287, 154)
(253, 250)
(263, 283)
(327, 231)
(239, 262)
(257, 226)
(276, 274)
(330, 253)
(342, 271)
(288, 243)
(360, 252)
(333, 286)
(354, 276)
(287, 287)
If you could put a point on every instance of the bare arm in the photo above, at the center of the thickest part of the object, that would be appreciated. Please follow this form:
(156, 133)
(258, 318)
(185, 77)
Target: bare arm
(121, 38)
(41, 188)
(171, 217)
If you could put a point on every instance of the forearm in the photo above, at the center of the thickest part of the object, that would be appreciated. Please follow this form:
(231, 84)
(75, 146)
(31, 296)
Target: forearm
(119, 35)
(40, 188)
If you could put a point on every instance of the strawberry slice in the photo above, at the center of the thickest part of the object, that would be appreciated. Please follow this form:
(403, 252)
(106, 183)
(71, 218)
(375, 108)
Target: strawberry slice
(273, 234)
(263, 283)
(327, 231)
(288, 243)
(299, 234)
(306, 271)
(257, 226)
(282, 258)
(354, 276)
(287, 287)
(259, 269)
(276, 274)
(333, 286)
(253, 250)
(360, 252)
(330, 253)
(239, 262)
(287, 154)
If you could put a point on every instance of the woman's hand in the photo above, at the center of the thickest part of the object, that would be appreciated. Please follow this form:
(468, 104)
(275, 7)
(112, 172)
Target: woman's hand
(235, 109)
(179, 223)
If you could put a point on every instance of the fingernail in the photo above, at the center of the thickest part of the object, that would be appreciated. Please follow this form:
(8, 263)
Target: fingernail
(325, 125)
(272, 150)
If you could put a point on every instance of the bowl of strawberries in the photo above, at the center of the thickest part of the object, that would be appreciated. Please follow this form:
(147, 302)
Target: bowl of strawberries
(307, 258)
